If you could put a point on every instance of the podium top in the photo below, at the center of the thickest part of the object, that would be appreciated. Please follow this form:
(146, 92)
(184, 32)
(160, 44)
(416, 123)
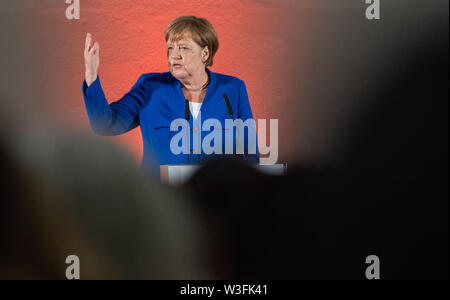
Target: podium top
(179, 174)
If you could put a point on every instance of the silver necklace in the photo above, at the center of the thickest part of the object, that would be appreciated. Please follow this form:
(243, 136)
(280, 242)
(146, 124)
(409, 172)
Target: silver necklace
(200, 89)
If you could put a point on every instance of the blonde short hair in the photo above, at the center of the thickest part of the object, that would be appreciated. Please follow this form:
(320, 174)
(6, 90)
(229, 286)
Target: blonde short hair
(200, 30)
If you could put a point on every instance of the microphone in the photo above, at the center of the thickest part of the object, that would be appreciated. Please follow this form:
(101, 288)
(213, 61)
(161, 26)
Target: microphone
(230, 112)
(227, 102)
(187, 117)
(186, 110)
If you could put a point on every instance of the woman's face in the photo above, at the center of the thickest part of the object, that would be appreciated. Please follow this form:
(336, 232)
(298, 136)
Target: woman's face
(185, 57)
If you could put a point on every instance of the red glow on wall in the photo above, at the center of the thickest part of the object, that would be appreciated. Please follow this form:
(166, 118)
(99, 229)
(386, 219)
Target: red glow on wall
(132, 42)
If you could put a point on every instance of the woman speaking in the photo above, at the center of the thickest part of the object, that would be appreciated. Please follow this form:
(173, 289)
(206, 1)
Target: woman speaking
(205, 100)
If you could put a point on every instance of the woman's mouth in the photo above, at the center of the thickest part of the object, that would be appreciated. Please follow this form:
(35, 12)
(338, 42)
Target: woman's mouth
(176, 66)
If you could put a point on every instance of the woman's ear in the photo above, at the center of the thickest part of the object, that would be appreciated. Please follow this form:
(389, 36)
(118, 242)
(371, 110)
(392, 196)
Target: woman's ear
(205, 54)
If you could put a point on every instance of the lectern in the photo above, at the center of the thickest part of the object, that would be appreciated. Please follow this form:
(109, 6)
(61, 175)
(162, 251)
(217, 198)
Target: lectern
(179, 174)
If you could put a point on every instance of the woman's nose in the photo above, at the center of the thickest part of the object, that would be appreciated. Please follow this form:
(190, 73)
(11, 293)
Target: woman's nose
(175, 54)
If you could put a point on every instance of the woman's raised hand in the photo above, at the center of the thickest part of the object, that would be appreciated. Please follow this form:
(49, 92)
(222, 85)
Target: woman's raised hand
(91, 59)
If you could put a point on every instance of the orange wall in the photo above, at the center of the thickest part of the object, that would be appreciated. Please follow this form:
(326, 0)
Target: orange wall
(308, 63)
(132, 42)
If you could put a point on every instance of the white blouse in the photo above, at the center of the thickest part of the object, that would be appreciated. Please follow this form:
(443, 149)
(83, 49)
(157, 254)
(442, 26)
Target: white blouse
(194, 107)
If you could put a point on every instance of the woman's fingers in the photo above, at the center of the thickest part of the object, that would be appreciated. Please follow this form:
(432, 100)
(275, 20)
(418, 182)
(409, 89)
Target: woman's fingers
(95, 49)
(91, 57)
(91, 49)
(88, 42)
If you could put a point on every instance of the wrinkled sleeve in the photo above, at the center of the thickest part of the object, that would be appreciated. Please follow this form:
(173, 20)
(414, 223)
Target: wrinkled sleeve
(118, 117)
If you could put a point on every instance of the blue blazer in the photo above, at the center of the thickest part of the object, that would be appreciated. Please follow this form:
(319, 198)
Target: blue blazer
(155, 101)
